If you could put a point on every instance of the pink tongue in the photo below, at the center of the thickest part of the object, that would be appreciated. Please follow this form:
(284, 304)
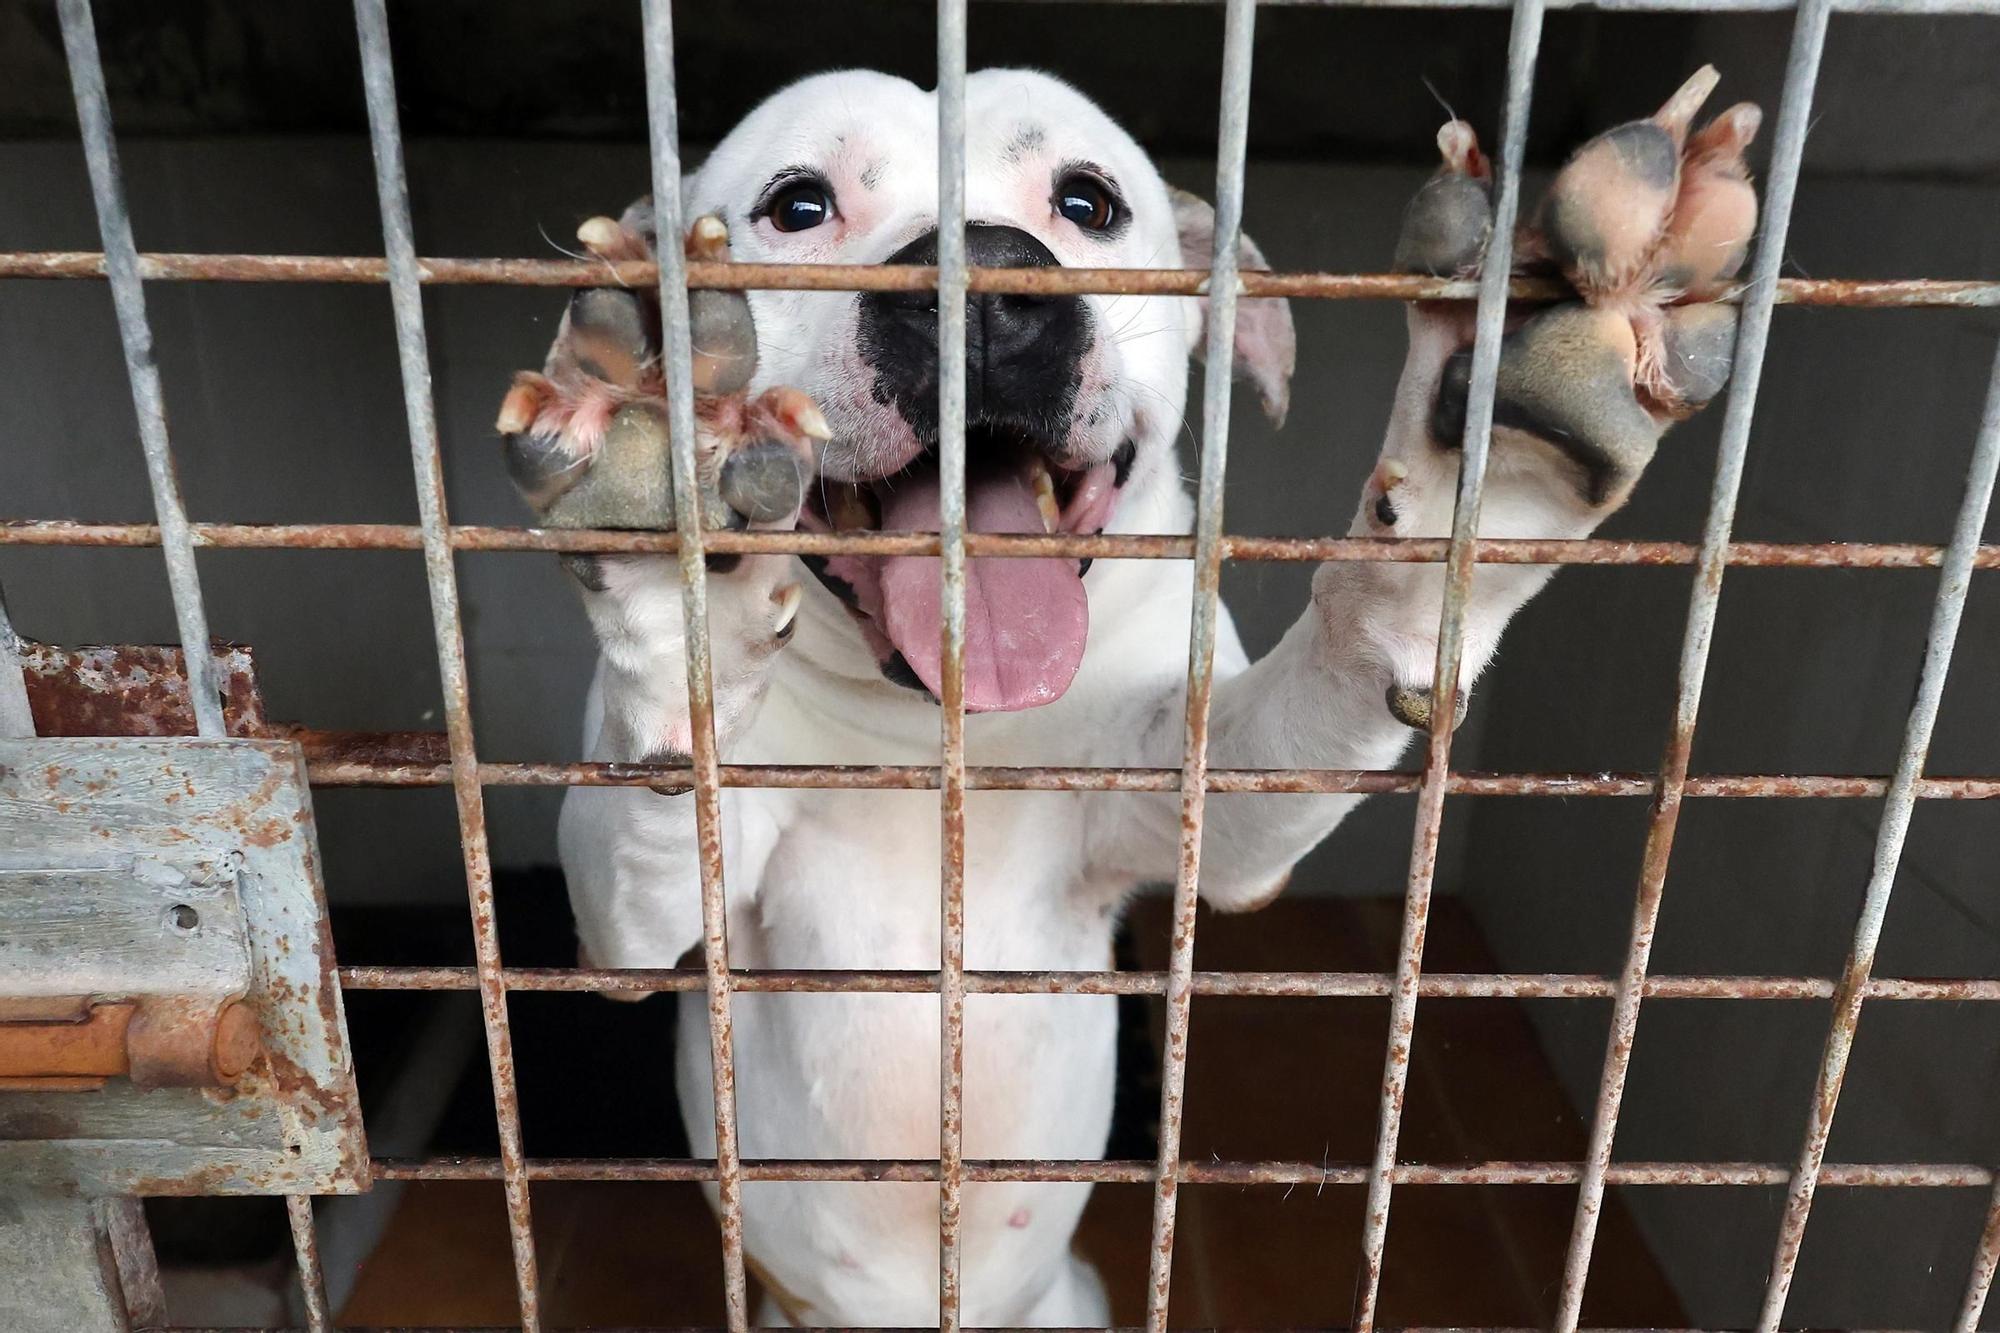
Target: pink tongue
(1025, 620)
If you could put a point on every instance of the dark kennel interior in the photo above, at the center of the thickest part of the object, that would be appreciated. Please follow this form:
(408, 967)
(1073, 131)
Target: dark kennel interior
(242, 130)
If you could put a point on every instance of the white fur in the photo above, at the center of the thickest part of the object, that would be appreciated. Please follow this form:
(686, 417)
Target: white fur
(849, 879)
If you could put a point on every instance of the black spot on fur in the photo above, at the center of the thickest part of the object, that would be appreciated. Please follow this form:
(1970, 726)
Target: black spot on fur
(898, 671)
(678, 759)
(587, 570)
(1385, 512)
(834, 584)
(1121, 462)
(725, 563)
(1028, 140)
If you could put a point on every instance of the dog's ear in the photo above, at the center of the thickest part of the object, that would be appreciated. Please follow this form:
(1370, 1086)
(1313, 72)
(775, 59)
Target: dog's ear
(1266, 347)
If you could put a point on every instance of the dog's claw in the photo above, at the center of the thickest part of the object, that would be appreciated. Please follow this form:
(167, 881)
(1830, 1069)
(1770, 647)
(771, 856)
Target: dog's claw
(612, 240)
(787, 600)
(1446, 224)
(1411, 706)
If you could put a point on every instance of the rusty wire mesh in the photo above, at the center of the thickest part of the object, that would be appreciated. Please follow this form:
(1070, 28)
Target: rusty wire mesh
(424, 759)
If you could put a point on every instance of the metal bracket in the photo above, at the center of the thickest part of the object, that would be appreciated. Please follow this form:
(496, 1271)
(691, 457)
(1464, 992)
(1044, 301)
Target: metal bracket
(163, 944)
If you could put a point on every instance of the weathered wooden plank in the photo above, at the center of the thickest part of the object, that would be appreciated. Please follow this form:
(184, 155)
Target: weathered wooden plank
(149, 927)
(60, 1275)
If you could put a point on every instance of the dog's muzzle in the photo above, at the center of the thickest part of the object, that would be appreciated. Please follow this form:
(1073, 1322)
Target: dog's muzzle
(1027, 620)
(1023, 353)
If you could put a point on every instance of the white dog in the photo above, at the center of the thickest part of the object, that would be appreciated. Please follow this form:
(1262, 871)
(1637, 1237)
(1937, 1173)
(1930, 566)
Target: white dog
(1075, 404)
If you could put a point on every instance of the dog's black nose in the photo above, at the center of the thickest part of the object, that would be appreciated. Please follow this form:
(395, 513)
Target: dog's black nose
(1023, 353)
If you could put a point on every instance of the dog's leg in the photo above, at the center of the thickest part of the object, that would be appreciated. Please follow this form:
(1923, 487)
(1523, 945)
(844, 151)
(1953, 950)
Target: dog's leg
(586, 443)
(1648, 224)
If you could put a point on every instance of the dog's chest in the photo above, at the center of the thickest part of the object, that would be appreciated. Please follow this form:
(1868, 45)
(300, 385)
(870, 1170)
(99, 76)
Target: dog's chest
(853, 881)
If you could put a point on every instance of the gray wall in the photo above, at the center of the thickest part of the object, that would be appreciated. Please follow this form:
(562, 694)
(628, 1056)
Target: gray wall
(285, 408)
(1864, 431)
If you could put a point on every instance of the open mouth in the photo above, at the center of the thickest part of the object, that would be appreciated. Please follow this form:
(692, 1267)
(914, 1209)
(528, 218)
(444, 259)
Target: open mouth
(1026, 620)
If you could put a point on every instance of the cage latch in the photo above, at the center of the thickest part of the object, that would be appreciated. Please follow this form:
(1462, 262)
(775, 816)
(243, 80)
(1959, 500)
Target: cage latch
(136, 969)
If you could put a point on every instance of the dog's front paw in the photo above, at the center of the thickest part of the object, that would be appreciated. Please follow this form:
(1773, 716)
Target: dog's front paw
(586, 442)
(586, 438)
(1647, 224)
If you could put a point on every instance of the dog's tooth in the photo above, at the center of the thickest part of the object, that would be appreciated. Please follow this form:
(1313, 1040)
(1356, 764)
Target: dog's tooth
(847, 509)
(1390, 473)
(787, 599)
(1045, 497)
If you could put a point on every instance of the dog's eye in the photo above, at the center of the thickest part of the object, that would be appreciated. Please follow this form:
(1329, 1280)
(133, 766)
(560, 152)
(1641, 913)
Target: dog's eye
(1087, 202)
(799, 207)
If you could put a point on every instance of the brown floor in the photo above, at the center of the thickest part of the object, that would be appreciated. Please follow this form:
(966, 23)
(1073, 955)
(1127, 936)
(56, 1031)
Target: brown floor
(1283, 1078)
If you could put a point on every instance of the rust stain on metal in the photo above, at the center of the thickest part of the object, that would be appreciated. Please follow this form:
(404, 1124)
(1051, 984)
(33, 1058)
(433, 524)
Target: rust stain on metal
(1868, 1175)
(156, 1042)
(133, 690)
(506, 272)
(418, 758)
(1103, 546)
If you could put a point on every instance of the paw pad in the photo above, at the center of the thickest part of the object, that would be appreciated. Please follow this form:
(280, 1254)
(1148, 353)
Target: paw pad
(587, 437)
(1647, 222)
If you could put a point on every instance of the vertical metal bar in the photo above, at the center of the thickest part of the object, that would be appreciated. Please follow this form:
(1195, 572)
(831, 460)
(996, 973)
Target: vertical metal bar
(1523, 42)
(385, 134)
(1238, 30)
(128, 297)
(305, 1245)
(1985, 1261)
(1954, 581)
(951, 540)
(1753, 334)
(663, 120)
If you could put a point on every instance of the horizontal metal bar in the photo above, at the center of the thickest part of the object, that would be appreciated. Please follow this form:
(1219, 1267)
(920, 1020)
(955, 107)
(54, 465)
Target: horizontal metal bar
(1098, 546)
(417, 759)
(1868, 1175)
(916, 777)
(809, 1328)
(1267, 985)
(1321, 286)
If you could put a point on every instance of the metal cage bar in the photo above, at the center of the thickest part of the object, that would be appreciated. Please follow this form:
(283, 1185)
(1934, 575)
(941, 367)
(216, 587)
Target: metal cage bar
(385, 133)
(1099, 546)
(305, 1252)
(1753, 334)
(1958, 293)
(1863, 1175)
(662, 118)
(1238, 29)
(1985, 1261)
(126, 269)
(1953, 584)
(334, 772)
(135, 336)
(1523, 43)
(951, 299)
(1301, 985)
